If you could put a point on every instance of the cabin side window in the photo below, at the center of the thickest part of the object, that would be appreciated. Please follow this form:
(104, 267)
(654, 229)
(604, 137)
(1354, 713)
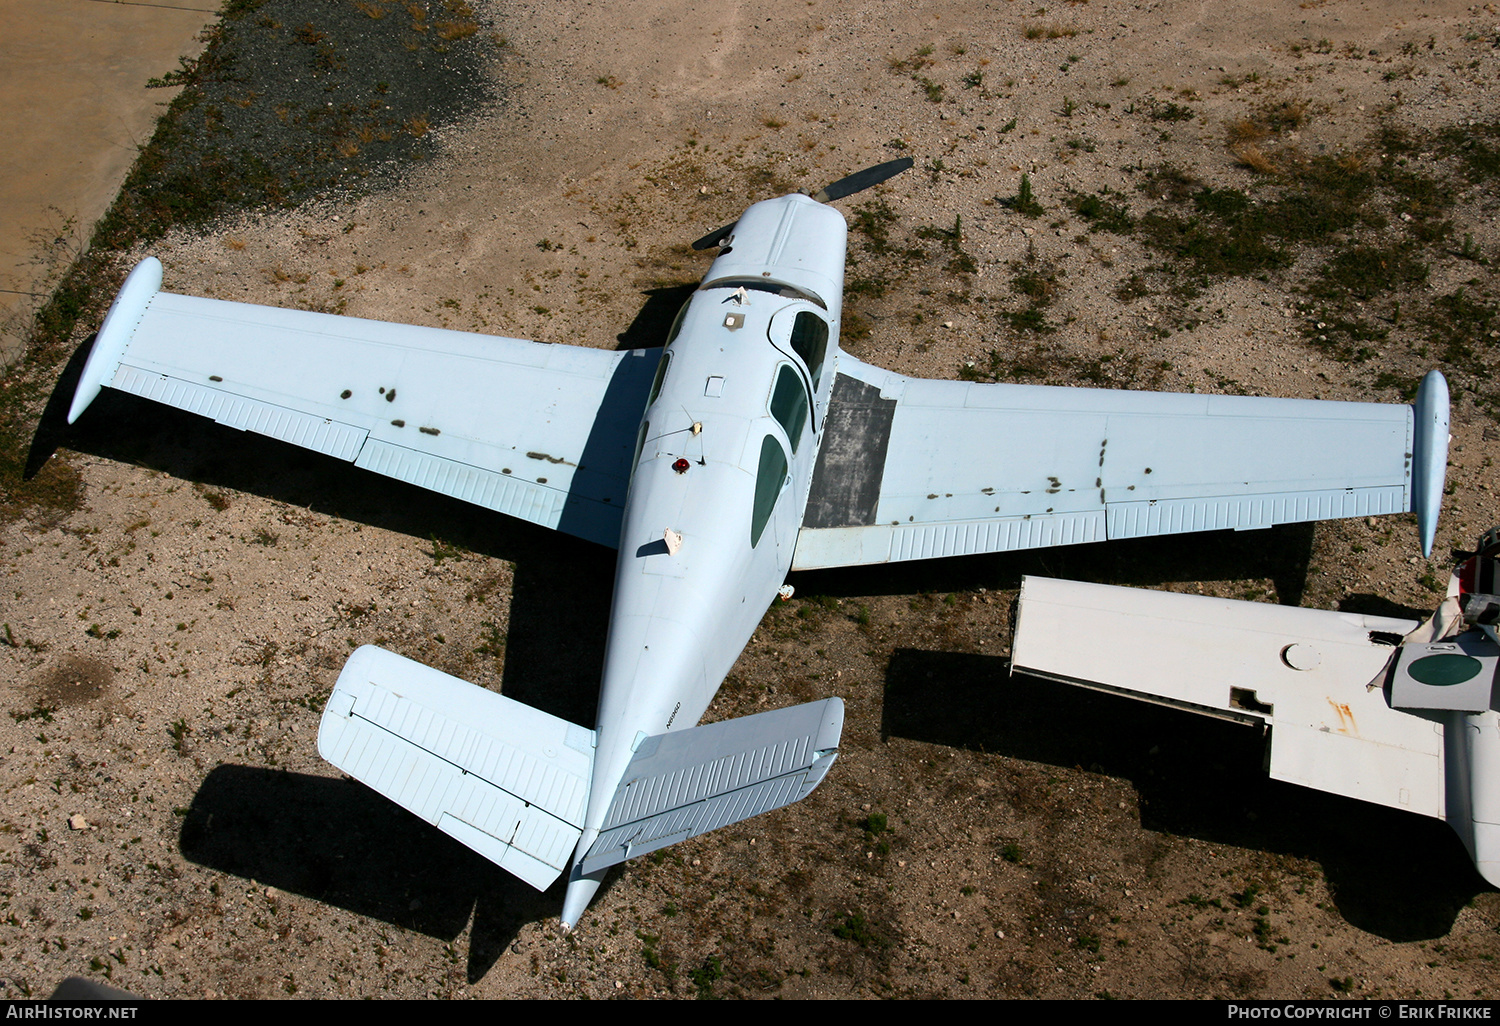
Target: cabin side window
(768, 481)
(810, 341)
(661, 375)
(640, 443)
(677, 323)
(789, 404)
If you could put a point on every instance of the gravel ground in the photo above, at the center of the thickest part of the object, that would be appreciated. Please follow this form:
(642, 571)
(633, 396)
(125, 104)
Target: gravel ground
(171, 637)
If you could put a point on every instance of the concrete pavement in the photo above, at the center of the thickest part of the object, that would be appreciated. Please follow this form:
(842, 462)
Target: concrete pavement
(73, 85)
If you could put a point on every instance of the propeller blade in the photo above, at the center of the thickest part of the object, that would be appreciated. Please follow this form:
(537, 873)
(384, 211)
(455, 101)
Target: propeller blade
(715, 237)
(848, 186)
(862, 180)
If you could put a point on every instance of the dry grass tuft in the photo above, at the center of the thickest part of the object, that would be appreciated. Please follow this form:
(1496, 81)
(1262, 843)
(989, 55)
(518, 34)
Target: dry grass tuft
(1253, 157)
(1052, 30)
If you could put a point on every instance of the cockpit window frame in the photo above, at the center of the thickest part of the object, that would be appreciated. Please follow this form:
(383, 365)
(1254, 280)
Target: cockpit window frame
(807, 346)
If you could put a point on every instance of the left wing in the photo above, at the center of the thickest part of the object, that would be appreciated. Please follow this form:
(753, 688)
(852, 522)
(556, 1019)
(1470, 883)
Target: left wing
(912, 468)
(541, 432)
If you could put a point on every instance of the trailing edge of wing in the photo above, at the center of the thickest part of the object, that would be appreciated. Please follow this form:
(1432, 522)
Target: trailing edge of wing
(913, 469)
(540, 432)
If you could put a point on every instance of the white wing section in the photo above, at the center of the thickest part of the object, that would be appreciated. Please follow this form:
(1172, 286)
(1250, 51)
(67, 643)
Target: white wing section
(507, 780)
(913, 468)
(688, 782)
(1304, 672)
(541, 432)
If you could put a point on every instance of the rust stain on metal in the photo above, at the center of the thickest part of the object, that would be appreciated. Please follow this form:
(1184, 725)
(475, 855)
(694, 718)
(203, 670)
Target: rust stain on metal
(1347, 724)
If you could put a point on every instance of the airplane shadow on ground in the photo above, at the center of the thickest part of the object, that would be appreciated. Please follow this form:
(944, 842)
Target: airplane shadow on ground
(330, 839)
(1398, 875)
(337, 842)
(555, 644)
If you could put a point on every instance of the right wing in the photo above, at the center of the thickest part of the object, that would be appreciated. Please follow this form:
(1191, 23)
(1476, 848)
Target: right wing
(911, 468)
(541, 432)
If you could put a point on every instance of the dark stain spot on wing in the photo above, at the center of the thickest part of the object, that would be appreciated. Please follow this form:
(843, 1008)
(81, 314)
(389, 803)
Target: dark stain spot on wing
(390, 396)
(932, 495)
(214, 377)
(549, 458)
(430, 430)
(398, 423)
(988, 491)
(541, 480)
(345, 394)
(74, 680)
(505, 470)
(1056, 486)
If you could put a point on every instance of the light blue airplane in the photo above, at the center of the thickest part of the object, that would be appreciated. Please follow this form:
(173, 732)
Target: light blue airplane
(748, 446)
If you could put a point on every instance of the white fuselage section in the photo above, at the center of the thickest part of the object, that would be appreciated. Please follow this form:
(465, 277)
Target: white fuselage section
(727, 446)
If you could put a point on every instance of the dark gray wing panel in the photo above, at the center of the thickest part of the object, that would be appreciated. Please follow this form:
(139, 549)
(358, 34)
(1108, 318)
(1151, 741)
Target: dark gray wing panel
(846, 481)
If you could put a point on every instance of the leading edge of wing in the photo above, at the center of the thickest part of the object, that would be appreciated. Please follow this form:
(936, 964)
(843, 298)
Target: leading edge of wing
(913, 468)
(542, 432)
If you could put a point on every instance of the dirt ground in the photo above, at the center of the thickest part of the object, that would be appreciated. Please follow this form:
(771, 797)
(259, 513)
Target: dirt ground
(168, 644)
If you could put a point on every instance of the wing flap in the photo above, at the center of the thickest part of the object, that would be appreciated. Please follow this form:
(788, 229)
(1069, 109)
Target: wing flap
(688, 782)
(508, 780)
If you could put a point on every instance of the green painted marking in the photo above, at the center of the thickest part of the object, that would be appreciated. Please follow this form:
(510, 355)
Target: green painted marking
(1445, 670)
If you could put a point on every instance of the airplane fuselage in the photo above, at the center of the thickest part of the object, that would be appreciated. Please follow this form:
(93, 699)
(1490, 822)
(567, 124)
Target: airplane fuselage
(725, 456)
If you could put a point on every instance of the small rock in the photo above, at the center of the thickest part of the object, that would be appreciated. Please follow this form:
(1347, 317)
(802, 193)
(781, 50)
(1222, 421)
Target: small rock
(77, 822)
